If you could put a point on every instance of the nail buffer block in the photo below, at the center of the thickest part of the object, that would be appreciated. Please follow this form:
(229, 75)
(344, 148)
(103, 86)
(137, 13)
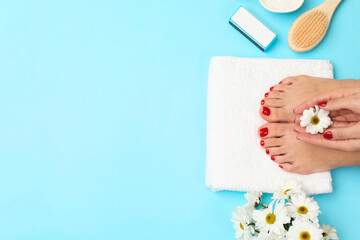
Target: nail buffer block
(252, 28)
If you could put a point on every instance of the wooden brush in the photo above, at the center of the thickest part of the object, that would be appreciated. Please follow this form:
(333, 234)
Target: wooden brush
(310, 28)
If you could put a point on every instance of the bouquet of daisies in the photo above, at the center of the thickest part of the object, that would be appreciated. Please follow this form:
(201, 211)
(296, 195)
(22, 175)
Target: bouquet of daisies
(291, 215)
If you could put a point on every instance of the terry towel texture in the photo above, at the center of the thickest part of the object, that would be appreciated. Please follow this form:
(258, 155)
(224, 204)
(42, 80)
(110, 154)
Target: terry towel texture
(235, 159)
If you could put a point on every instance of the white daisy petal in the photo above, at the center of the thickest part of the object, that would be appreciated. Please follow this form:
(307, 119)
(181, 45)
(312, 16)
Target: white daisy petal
(301, 229)
(329, 232)
(315, 120)
(302, 207)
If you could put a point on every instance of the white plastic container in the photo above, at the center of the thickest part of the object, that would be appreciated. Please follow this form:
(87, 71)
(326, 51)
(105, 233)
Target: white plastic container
(281, 6)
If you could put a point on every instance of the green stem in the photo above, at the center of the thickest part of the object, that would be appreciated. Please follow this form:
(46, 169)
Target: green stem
(262, 205)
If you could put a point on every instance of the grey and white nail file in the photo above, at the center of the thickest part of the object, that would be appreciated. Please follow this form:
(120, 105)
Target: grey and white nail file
(252, 28)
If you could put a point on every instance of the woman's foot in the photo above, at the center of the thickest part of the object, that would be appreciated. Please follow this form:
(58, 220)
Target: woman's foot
(279, 102)
(279, 140)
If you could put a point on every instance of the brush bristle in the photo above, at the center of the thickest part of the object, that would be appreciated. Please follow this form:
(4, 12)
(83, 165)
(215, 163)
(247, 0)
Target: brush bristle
(310, 29)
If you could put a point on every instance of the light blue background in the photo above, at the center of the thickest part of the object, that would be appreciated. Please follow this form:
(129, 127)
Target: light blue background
(103, 116)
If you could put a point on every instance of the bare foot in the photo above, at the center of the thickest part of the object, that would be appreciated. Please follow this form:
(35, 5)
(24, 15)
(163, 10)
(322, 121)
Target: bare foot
(279, 140)
(279, 102)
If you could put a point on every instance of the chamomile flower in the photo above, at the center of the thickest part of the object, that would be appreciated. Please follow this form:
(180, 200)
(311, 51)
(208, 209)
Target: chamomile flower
(315, 120)
(272, 219)
(290, 187)
(303, 207)
(304, 230)
(269, 236)
(254, 198)
(241, 219)
(329, 232)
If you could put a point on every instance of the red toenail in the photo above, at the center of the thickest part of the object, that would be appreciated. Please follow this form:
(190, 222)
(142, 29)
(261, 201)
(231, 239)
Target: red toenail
(266, 94)
(280, 82)
(262, 102)
(271, 88)
(273, 158)
(264, 132)
(322, 103)
(267, 151)
(266, 111)
(262, 143)
(281, 166)
(328, 135)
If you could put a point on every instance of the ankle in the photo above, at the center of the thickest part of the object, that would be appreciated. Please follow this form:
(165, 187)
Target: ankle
(347, 83)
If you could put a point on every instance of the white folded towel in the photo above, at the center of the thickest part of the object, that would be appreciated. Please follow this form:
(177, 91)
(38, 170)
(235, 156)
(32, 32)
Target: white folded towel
(235, 159)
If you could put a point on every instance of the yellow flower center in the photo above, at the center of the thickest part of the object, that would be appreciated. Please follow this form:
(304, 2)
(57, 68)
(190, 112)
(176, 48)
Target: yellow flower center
(302, 210)
(305, 236)
(270, 218)
(286, 191)
(242, 227)
(324, 234)
(315, 120)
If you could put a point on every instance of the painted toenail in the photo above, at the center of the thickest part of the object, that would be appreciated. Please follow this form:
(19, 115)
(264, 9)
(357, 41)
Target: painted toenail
(262, 102)
(322, 103)
(267, 151)
(262, 143)
(281, 166)
(264, 132)
(266, 111)
(271, 88)
(273, 158)
(280, 82)
(266, 94)
(328, 135)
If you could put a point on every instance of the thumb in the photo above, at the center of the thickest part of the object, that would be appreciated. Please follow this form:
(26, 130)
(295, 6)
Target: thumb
(342, 133)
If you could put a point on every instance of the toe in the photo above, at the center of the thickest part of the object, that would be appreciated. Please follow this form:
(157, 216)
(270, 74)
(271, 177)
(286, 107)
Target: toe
(280, 159)
(273, 102)
(274, 94)
(272, 142)
(272, 114)
(288, 81)
(275, 151)
(280, 88)
(274, 130)
(287, 167)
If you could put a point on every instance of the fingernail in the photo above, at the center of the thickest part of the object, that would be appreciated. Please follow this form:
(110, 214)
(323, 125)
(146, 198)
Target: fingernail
(281, 167)
(266, 111)
(280, 82)
(262, 102)
(264, 132)
(322, 103)
(266, 94)
(262, 143)
(328, 135)
(271, 88)
(273, 158)
(267, 151)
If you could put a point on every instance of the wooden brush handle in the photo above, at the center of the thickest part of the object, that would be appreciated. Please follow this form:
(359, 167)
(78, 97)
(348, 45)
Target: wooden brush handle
(329, 6)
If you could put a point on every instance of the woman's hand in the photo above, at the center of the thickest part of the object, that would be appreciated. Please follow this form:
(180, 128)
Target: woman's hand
(344, 107)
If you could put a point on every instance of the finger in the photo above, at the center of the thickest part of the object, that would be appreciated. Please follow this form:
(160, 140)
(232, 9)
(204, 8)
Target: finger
(300, 129)
(326, 97)
(339, 113)
(347, 103)
(335, 124)
(344, 145)
(351, 117)
(341, 124)
(342, 133)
